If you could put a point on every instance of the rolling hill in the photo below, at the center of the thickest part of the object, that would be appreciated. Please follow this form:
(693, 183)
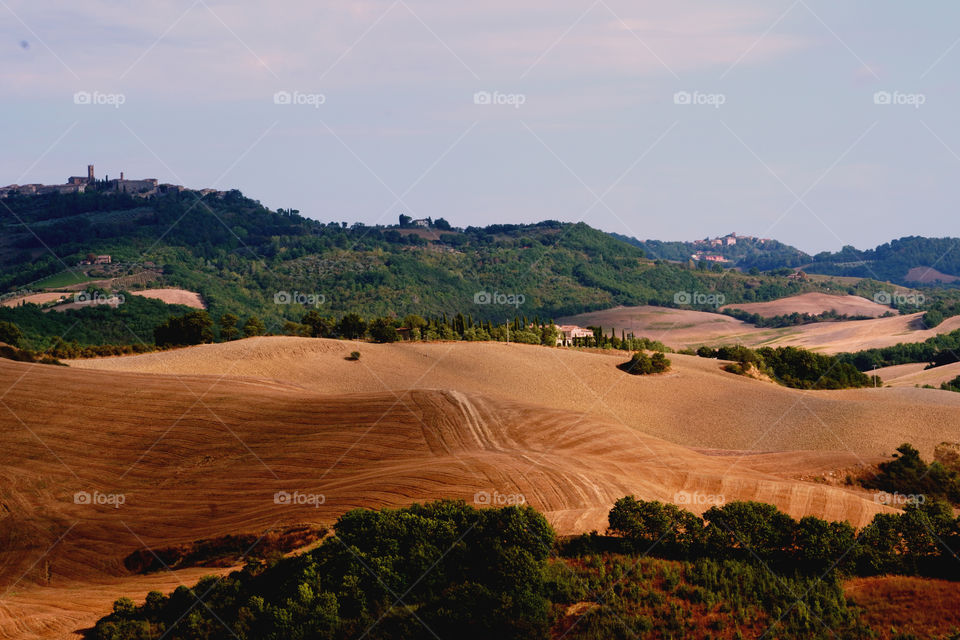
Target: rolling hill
(814, 304)
(909, 261)
(200, 456)
(234, 256)
(680, 328)
(696, 404)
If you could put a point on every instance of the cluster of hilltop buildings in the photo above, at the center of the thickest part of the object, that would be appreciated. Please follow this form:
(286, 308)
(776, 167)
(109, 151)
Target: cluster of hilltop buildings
(78, 184)
(728, 240)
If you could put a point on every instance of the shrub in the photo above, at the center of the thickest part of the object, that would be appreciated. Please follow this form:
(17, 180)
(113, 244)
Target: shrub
(11, 334)
(909, 474)
(952, 385)
(917, 542)
(642, 364)
(932, 318)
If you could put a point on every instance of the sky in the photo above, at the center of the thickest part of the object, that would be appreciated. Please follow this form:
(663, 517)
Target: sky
(821, 124)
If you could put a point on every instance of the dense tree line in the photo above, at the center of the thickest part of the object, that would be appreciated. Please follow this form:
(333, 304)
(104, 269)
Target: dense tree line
(437, 570)
(791, 366)
(448, 570)
(791, 319)
(197, 327)
(131, 323)
(936, 351)
(917, 541)
(604, 339)
(892, 260)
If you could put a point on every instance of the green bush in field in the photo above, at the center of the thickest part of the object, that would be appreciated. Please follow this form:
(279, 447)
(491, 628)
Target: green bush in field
(642, 364)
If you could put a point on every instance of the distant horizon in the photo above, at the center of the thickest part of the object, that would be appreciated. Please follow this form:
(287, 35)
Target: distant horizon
(393, 223)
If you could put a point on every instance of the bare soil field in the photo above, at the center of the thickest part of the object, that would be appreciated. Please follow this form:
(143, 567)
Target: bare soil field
(173, 296)
(695, 404)
(168, 459)
(916, 373)
(35, 298)
(926, 275)
(680, 328)
(814, 304)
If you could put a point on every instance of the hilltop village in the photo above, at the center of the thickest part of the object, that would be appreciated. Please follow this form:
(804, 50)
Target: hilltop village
(728, 240)
(144, 188)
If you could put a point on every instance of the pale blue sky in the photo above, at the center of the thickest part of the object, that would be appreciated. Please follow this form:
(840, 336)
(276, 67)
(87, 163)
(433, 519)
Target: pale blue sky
(598, 137)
